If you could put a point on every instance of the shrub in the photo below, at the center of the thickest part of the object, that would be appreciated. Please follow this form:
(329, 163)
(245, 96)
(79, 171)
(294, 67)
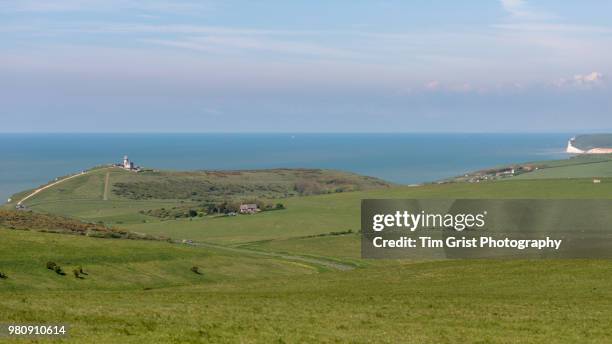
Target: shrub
(196, 270)
(280, 206)
(76, 273)
(3, 275)
(51, 265)
(58, 270)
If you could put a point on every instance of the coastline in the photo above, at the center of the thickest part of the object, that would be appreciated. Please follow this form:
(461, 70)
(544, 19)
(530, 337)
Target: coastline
(399, 158)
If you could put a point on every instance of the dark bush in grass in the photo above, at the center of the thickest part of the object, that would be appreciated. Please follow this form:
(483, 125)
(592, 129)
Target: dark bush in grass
(3, 275)
(51, 265)
(75, 272)
(58, 270)
(81, 271)
(196, 270)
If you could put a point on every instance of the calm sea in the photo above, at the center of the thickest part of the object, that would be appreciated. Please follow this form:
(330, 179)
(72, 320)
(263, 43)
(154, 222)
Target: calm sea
(29, 160)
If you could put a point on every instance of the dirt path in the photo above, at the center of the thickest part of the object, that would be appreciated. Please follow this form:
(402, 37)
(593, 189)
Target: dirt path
(321, 262)
(48, 186)
(106, 186)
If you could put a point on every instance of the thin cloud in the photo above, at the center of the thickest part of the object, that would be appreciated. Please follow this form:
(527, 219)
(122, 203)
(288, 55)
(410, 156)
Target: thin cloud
(520, 9)
(590, 80)
(104, 5)
(554, 28)
(236, 44)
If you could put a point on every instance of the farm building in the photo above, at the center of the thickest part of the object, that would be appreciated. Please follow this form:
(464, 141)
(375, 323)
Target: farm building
(248, 208)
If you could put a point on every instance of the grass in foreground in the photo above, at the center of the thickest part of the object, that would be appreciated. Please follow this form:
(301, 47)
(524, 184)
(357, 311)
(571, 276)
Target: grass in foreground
(436, 302)
(127, 265)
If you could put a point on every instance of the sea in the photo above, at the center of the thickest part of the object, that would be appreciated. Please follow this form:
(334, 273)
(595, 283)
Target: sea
(30, 160)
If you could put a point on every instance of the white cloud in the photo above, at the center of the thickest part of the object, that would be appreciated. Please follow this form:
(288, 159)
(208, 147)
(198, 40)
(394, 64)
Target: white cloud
(588, 81)
(521, 10)
(514, 7)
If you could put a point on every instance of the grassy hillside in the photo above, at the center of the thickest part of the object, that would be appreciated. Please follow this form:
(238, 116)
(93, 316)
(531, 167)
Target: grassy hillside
(123, 264)
(583, 166)
(207, 185)
(340, 212)
(578, 166)
(589, 141)
(204, 185)
(127, 195)
(139, 292)
(28, 220)
(144, 291)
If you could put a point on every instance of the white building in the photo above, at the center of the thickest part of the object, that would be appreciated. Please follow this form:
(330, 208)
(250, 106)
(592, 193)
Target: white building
(248, 208)
(129, 165)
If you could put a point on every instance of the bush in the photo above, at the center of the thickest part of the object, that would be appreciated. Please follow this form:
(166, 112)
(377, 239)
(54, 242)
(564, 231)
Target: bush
(80, 269)
(280, 206)
(58, 270)
(3, 275)
(76, 273)
(196, 270)
(51, 265)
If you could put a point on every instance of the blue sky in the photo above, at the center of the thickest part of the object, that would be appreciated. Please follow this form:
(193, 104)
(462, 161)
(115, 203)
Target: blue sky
(305, 66)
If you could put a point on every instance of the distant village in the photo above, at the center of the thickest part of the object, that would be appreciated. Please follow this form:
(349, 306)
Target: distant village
(493, 174)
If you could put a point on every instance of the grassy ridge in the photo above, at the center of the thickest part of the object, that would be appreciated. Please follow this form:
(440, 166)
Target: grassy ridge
(585, 166)
(205, 185)
(83, 197)
(586, 142)
(209, 185)
(123, 264)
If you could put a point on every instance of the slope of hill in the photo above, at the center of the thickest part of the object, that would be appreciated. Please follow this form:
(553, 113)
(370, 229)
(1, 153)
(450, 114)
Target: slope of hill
(582, 166)
(591, 141)
(113, 195)
(144, 291)
(122, 265)
(139, 291)
(579, 166)
(28, 220)
(204, 185)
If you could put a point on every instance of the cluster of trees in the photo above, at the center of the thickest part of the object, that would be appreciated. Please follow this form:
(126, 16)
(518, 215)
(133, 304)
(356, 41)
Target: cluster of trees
(174, 212)
(227, 207)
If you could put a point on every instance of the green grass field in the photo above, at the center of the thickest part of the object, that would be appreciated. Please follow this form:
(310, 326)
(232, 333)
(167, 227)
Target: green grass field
(139, 291)
(587, 170)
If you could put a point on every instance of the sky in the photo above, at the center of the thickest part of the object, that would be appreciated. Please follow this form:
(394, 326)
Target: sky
(305, 66)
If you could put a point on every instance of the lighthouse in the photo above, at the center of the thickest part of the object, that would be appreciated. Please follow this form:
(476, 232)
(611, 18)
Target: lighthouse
(126, 163)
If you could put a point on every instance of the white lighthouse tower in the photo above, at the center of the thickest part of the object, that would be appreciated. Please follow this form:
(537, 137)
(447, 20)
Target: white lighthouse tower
(126, 162)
